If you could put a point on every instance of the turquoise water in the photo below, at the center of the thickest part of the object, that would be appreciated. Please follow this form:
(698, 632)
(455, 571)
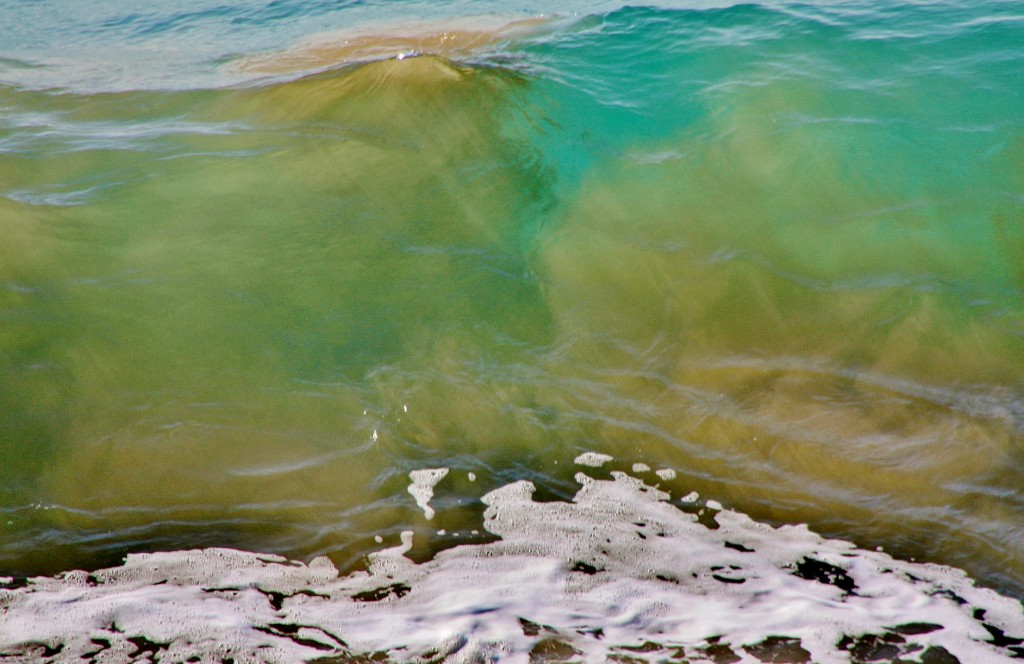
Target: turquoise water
(248, 284)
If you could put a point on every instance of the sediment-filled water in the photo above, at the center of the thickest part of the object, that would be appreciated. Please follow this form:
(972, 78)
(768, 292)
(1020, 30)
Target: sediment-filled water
(258, 263)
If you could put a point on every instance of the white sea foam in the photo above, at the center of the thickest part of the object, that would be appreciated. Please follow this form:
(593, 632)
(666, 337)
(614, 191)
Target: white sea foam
(666, 474)
(592, 459)
(422, 487)
(622, 570)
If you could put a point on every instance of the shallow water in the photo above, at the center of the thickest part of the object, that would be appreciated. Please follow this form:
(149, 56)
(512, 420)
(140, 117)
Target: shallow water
(777, 248)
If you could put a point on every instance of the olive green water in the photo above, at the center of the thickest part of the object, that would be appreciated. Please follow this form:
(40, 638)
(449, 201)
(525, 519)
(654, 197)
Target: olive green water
(241, 317)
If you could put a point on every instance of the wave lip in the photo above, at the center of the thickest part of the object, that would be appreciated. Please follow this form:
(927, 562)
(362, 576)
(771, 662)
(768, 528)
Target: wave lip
(450, 38)
(623, 571)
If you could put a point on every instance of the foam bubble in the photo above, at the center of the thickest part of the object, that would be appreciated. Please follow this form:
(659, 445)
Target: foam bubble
(618, 572)
(593, 459)
(422, 487)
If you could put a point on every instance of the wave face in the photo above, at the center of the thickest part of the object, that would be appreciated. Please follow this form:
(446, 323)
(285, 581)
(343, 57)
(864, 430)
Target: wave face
(260, 262)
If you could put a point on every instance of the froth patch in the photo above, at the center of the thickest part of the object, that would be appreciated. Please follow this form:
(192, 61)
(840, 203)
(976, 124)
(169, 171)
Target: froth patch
(451, 38)
(592, 459)
(422, 487)
(620, 572)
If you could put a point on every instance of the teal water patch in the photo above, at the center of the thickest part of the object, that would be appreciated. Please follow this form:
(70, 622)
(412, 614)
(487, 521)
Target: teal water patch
(929, 94)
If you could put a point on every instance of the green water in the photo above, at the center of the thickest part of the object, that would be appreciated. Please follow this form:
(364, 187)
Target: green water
(782, 257)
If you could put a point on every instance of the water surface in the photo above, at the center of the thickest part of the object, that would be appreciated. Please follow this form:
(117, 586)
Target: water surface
(778, 248)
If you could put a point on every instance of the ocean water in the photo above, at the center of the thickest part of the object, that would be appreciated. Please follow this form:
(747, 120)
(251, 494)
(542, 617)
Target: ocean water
(261, 261)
